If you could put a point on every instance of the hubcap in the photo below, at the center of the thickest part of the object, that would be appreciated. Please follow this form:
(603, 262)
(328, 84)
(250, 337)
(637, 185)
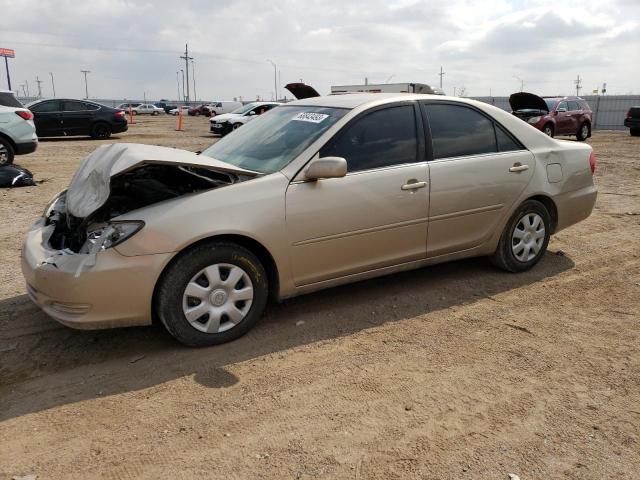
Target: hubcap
(585, 131)
(547, 131)
(217, 298)
(528, 237)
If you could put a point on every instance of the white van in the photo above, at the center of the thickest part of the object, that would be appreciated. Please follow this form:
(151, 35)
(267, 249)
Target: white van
(224, 107)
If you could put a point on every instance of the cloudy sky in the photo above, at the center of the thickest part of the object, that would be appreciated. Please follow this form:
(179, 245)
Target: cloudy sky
(132, 47)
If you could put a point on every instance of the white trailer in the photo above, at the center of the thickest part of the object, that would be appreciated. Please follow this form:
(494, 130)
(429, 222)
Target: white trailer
(387, 88)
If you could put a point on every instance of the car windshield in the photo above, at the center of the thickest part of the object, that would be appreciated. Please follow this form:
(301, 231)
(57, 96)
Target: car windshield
(551, 102)
(244, 108)
(8, 99)
(274, 139)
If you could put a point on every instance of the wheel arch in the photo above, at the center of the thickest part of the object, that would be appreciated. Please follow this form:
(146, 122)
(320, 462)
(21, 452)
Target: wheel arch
(249, 243)
(8, 139)
(551, 207)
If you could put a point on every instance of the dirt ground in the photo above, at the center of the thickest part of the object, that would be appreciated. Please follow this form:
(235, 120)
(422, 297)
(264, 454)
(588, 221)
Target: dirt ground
(455, 371)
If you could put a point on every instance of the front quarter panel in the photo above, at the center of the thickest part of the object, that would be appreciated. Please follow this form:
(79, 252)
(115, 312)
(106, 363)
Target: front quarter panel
(254, 208)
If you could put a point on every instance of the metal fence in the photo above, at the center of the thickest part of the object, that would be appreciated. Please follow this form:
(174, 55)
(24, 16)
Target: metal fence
(608, 111)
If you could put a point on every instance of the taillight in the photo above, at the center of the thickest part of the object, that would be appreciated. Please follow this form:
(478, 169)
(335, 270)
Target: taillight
(26, 114)
(592, 162)
(629, 113)
(120, 114)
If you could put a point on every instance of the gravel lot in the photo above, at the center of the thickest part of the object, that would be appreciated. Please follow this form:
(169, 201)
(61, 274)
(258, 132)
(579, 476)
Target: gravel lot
(455, 371)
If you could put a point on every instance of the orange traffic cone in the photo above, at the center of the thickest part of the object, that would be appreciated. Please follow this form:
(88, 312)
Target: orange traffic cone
(179, 129)
(130, 115)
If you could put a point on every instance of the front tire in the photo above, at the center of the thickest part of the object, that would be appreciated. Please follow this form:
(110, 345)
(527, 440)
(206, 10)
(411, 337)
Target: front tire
(548, 130)
(7, 153)
(584, 132)
(236, 126)
(212, 294)
(634, 132)
(524, 239)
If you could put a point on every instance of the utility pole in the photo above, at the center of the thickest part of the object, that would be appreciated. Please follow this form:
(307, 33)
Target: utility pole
(178, 82)
(38, 81)
(27, 84)
(53, 85)
(193, 69)
(184, 98)
(186, 59)
(441, 75)
(86, 87)
(578, 82)
(24, 92)
(521, 82)
(275, 78)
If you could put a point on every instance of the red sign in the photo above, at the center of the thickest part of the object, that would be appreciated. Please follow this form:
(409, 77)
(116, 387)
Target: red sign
(7, 52)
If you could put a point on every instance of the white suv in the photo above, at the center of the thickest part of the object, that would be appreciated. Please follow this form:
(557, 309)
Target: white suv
(17, 130)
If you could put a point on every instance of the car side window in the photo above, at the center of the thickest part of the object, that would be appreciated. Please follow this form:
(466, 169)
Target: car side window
(379, 139)
(572, 106)
(73, 106)
(90, 106)
(458, 131)
(562, 105)
(505, 142)
(43, 107)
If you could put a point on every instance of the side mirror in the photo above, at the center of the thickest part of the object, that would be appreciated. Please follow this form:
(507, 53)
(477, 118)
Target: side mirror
(327, 167)
(252, 113)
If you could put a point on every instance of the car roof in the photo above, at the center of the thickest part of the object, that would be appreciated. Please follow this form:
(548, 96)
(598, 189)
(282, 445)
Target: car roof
(353, 100)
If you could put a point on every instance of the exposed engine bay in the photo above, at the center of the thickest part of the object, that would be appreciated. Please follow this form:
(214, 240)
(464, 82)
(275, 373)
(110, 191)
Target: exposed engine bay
(140, 187)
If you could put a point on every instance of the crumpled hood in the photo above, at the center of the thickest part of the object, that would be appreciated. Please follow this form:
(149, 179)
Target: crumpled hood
(524, 100)
(90, 185)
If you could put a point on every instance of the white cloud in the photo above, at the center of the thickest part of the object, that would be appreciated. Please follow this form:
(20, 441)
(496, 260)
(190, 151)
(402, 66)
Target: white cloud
(132, 47)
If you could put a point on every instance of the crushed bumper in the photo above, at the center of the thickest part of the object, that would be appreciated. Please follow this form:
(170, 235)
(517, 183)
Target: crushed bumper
(89, 291)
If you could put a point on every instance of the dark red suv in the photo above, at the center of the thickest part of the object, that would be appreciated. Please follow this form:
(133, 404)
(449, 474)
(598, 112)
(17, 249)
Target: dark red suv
(554, 115)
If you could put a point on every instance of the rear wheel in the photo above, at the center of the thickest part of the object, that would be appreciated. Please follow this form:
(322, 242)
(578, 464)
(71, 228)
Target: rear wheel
(524, 239)
(6, 152)
(548, 130)
(215, 293)
(100, 131)
(635, 132)
(584, 132)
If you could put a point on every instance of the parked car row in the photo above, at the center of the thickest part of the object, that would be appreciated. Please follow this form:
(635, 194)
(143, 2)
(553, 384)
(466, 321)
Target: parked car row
(141, 108)
(227, 122)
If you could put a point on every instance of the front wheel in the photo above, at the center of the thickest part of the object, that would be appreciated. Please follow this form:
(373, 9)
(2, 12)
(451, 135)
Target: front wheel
(583, 133)
(548, 130)
(635, 132)
(214, 293)
(155, 113)
(100, 131)
(236, 126)
(524, 239)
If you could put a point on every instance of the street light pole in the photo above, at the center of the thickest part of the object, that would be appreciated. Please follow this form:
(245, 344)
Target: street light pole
(53, 85)
(193, 72)
(275, 78)
(86, 86)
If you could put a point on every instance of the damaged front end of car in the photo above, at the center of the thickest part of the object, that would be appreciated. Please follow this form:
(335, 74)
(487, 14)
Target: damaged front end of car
(120, 178)
(529, 107)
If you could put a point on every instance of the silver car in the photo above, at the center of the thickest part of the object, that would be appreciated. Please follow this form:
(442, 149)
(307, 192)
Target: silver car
(315, 193)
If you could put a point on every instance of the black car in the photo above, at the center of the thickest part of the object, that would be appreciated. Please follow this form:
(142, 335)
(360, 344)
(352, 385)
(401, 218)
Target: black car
(632, 121)
(68, 117)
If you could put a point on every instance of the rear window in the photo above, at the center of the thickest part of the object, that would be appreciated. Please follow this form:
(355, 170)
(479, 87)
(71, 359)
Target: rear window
(8, 99)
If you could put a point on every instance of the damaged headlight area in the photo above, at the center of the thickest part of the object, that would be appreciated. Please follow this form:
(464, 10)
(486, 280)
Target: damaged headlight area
(131, 190)
(103, 236)
(533, 119)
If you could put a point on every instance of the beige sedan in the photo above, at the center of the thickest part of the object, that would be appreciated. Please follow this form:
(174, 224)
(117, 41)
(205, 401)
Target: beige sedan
(315, 193)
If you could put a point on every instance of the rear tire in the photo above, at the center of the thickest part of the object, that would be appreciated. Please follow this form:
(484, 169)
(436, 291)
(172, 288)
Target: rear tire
(7, 153)
(524, 239)
(195, 285)
(635, 132)
(548, 130)
(584, 132)
(100, 131)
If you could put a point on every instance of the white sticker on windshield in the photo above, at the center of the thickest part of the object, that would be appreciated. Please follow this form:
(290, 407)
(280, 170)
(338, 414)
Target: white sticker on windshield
(310, 117)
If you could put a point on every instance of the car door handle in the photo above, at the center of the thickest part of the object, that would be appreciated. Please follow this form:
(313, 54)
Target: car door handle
(413, 185)
(517, 167)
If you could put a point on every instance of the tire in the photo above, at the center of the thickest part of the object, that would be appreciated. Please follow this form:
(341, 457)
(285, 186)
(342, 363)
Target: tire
(155, 113)
(201, 270)
(635, 132)
(100, 131)
(236, 126)
(548, 130)
(509, 256)
(584, 132)
(7, 153)
(133, 112)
